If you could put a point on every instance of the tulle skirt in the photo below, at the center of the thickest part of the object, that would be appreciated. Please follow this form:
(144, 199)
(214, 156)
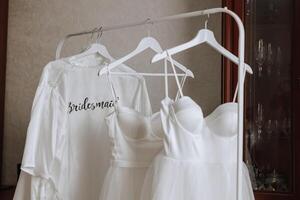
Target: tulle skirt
(171, 179)
(123, 183)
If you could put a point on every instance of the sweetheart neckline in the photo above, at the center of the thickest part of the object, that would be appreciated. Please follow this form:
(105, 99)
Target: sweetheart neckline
(212, 114)
(150, 132)
(209, 117)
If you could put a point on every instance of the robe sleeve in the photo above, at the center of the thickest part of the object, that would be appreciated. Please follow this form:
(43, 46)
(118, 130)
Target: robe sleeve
(43, 141)
(43, 132)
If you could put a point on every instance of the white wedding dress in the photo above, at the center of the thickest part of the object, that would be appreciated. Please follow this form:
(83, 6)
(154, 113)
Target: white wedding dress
(199, 158)
(133, 148)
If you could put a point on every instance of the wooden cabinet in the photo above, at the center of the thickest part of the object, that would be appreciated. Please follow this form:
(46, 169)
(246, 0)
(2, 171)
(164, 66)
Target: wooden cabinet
(3, 45)
(7, 192)
(272, 99)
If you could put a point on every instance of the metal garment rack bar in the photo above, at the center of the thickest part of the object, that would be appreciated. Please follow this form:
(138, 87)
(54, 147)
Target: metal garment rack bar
(241, 69)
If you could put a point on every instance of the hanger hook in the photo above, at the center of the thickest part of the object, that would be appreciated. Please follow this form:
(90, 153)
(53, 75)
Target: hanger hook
(100, 33)
(206, 21)
(148, 22)
(92, 35)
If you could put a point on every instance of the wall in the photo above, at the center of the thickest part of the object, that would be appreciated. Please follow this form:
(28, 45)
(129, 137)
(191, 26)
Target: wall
(35, 27)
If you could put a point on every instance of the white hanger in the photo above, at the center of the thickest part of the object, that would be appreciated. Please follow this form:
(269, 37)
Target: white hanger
(96, 47)
(145, 43)
(203, 36)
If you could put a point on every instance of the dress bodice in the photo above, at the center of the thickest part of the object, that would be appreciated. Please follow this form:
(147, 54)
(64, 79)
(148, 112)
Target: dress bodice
(190, 136)
(131, 133)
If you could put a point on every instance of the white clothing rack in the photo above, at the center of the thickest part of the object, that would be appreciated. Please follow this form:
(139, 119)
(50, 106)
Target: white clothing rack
(241, 55)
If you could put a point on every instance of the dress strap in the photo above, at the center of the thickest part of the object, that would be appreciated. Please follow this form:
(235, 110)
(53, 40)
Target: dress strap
(166, 78)
(112, 87)
(181, 84)
(175, 74)
(237, 87)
